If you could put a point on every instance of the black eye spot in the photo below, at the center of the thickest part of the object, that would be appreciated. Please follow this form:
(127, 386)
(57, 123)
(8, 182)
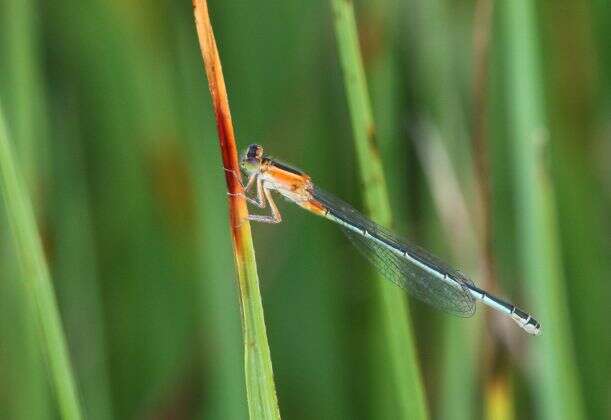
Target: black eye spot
(254, 151)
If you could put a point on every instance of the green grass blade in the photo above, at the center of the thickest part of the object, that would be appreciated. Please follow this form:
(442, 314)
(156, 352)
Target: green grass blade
(401, 349)
(260, 387)
(27, 392)
(556, 378)
(36, 277)
(434, 66)
(221, 319)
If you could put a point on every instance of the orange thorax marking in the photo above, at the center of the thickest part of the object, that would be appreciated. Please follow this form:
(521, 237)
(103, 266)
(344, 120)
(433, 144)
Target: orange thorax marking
(288, 180)
(297, 187)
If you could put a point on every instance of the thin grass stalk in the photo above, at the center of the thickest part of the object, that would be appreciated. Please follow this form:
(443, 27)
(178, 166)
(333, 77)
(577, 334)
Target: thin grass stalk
(227, 400)
(404, 369)
(481, 46)
(557, 388)
(497, 387)
(21, 83)
(379, 26)
(434, 67)
(461, 336)
(578, 117)
(260, 387)
(36, 277)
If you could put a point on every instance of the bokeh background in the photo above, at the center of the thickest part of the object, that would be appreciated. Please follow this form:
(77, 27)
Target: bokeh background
(109, 114)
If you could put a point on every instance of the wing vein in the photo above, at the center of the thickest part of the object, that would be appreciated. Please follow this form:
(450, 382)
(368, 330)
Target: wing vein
(417, 281)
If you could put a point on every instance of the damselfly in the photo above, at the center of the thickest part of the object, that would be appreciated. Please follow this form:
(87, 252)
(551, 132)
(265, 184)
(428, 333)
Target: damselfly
(408, 266)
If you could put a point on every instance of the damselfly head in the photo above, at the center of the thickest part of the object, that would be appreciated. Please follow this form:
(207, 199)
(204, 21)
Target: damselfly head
(251, 160)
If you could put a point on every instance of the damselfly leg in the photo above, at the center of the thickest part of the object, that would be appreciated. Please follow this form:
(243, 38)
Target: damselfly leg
(263, 195)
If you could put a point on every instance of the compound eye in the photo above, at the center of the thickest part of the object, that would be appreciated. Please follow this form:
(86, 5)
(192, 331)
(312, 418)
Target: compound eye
(254, 151)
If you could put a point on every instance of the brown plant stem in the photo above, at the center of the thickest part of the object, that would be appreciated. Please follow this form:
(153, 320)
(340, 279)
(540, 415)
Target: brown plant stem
(495, 373)
(220, 103)
(260, 387)
(481, 43)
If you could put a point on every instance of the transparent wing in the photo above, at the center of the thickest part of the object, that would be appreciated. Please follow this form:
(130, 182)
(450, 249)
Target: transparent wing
(420, 283)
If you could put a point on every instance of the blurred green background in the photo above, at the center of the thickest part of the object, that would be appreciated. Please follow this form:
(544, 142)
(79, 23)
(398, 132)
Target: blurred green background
(108, 111)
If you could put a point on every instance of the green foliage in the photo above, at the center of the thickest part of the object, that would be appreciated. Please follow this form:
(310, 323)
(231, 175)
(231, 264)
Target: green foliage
(553, 354)
(399, 343)
(35, 277)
